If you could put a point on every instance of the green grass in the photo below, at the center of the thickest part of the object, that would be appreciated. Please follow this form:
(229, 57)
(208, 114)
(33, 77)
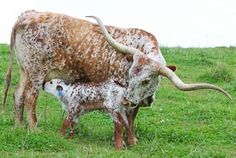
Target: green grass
(178, 124)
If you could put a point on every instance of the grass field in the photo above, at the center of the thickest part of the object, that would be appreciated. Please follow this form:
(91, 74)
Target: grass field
(178, 124)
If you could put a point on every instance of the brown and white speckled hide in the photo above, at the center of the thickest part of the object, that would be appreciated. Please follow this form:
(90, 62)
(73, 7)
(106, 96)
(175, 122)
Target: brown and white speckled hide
(79, 98)
(59, 46)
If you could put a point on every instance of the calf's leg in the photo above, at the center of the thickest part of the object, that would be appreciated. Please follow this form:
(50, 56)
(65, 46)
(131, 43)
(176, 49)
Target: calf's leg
(69, 121)
(66, 123)
(72, 129)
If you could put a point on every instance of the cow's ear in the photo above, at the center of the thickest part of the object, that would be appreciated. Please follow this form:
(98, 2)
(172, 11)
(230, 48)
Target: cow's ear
(172, 67)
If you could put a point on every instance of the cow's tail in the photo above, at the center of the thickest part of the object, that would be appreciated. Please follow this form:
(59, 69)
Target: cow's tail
(9, 71)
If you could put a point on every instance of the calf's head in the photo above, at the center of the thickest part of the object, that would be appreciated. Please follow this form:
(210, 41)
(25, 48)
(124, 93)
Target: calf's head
(56, 87)
(144, 74)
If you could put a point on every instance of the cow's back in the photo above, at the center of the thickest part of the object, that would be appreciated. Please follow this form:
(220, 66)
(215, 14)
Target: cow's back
(46, 42)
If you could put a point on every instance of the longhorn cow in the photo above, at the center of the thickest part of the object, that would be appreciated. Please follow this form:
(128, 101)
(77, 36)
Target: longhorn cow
(50, 45)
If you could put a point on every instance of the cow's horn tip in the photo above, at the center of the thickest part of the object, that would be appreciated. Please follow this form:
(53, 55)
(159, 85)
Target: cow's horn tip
(230, 98)
(90, 16)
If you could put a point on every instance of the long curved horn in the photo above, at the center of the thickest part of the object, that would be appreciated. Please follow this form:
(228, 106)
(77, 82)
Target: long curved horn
(165, 71)
(120, 47)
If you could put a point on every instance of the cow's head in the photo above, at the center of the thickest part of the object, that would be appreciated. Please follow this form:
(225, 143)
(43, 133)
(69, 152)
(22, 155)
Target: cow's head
(143, 80)
(145, 73)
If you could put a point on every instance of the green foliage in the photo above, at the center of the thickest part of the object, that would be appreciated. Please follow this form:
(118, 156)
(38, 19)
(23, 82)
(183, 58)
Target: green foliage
(219, 72)
(4, 48)
(178, 124)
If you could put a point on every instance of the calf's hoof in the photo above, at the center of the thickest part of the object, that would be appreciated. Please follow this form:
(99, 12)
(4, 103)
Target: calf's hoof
(63, 133)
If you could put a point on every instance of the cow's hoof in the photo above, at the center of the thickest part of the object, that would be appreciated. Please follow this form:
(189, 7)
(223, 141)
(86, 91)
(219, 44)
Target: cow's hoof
(71, 135)
(119, 145)
(19, 124)
(132, 142)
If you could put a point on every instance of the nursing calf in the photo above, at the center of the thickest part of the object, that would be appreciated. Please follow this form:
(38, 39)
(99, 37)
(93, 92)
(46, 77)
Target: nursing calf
(79, 98)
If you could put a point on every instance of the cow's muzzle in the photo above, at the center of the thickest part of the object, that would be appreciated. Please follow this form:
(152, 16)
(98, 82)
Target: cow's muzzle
(147, 101)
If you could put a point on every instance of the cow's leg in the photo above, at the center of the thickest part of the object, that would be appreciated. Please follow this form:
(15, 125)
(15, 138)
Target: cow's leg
(118, 132)
(19, 106)
(31, 95)
(26, 94)
(130, 129)
(19, 100)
